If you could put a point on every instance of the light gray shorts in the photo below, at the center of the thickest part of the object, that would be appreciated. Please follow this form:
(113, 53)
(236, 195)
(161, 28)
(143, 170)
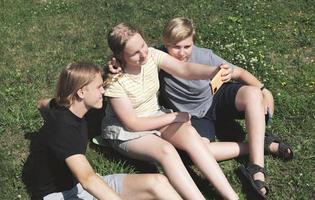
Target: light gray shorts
(114, 181)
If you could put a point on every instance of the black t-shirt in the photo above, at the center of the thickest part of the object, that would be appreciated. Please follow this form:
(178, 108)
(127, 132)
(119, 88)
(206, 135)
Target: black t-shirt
(62, 135)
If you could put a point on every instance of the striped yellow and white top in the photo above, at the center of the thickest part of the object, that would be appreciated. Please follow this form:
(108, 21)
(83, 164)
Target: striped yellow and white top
(141, 89)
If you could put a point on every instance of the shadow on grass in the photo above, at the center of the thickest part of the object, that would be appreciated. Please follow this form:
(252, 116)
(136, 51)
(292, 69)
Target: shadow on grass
(139, 166)
(26, 175)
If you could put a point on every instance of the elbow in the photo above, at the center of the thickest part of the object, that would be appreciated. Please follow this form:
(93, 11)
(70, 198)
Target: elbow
(87, 181)
(131, 125)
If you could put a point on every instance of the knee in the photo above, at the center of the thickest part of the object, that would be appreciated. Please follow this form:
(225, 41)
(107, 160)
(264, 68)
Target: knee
(251, 96)
(156, 184)
(157, 180)
(206, 140)
(167, 150)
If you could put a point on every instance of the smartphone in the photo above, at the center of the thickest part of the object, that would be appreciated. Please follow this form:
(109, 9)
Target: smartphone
(216, 82)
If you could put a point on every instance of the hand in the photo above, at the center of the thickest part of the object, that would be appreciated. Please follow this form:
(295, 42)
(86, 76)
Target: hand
(114, 66)
(268, 101)
(182, 117)
(226, 73)
(43, 107)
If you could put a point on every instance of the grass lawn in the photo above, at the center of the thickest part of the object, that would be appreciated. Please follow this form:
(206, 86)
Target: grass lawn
(272, 39)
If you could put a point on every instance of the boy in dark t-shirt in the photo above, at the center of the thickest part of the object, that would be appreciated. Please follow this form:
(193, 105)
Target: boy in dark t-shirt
(57, 167)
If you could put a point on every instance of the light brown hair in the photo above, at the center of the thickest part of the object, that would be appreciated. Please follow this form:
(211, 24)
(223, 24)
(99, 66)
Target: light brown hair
(72, 78)
(178, 29)
(117, 39)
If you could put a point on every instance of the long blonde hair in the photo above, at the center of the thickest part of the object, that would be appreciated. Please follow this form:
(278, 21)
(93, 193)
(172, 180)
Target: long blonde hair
(75, 76)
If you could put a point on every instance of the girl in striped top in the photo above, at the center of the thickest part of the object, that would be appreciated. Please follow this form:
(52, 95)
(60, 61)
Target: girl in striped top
(139, 128)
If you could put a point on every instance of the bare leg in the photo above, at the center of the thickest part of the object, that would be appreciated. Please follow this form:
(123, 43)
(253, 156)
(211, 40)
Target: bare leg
(250, 100)
(226, 150)
(185, 137)
(153, 148)
(148, 186)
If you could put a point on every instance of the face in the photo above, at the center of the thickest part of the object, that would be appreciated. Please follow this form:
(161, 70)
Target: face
(181, 50)
(136, 51)
(93, 93)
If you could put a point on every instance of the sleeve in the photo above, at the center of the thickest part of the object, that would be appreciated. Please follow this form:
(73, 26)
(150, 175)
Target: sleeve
(115, 89)
(216, 60)
(66, 141)
(157, 55)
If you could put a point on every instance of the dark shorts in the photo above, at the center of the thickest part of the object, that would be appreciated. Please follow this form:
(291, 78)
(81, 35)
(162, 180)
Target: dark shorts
(220, 119)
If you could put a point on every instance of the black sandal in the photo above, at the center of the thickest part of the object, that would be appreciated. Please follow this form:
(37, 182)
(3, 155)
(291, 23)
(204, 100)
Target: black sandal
(255, 185)
(282, 150)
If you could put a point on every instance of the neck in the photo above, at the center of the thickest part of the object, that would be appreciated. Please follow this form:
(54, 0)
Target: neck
(133, 70)
(78, 109)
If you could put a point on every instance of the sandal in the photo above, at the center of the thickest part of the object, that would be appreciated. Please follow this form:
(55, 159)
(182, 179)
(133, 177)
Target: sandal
(282, 150)
(255, 185)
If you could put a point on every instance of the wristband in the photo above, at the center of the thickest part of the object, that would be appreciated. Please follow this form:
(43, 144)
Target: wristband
(262, 87)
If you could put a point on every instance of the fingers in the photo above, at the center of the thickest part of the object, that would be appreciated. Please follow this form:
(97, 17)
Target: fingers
(268, 101)
(182, 117)
(226, 74)
(270, 110)
(114, 66)
(226, 78)
(265, 109)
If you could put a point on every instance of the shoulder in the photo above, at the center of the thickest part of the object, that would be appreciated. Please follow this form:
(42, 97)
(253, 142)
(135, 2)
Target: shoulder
(201, 55)
(200, 51)
(156, 55)
(61, 120)
(155, 51)
(66, 135)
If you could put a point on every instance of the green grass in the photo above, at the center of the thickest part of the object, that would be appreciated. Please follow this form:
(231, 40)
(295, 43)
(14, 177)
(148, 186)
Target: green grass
(272, 39)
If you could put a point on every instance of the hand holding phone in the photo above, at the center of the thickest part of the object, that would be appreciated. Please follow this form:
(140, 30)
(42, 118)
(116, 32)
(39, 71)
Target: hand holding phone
(216, 82)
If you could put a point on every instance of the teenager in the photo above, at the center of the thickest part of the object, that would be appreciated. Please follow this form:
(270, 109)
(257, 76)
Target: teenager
(140, 129)
(57, 167)
(246, 98)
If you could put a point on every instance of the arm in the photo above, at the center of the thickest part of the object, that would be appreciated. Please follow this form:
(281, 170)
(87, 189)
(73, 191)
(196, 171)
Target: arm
(126, 114)
(186, 70)
(90, 181)
(247, 78)
(43, 106)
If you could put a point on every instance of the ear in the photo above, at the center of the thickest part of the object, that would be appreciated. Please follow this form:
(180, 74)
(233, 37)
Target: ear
(80, 93)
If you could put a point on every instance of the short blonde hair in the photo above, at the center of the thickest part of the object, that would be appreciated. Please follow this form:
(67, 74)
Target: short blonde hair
(72, 78)
(178, 29)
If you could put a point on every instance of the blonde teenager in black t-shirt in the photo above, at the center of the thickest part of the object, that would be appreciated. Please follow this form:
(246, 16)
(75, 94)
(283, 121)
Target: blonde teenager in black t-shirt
(57, 167)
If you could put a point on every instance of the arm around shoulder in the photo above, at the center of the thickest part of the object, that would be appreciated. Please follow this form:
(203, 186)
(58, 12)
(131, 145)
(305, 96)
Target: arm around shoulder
(90, 181)
(189, 71)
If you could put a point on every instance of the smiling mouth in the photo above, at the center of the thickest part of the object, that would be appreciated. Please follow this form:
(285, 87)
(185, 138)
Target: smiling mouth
(183, 59)
(143, 61)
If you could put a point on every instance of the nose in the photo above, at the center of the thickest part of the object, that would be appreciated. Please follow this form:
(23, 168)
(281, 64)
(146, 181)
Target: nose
(143, 53)
(181, 52)
(102, 90)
